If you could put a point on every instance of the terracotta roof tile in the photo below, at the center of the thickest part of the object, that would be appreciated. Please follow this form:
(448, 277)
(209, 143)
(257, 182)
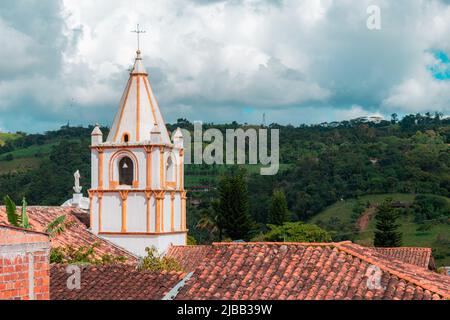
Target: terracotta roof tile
(76, 235)
(189, 257)
(252, 271)
(113, 282)
(421, 257)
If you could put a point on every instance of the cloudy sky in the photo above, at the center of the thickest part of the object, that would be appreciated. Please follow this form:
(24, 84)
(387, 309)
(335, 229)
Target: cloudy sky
(297, 61)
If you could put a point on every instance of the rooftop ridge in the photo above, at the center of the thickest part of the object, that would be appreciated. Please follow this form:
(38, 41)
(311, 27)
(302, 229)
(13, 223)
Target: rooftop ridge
(383, 266)
(403, 248)
(23, 229)
(309, 244)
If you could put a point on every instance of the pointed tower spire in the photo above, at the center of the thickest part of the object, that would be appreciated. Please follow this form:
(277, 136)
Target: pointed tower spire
(138, 110)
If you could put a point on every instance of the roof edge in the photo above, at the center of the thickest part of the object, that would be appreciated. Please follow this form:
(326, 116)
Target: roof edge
(23, 229)
(376, 261)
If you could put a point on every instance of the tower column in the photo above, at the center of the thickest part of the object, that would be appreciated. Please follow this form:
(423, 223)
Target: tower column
(100, 168)
(181, 169)
(149, 152)
(183, 210)
(91, 199)
(161, 167)
(172, 211)
(124, 197)
(100, 204)
(159, 224)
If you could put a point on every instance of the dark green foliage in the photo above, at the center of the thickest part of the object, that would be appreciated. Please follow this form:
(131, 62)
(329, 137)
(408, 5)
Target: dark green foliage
(430, 207)
(233, 216)
(296, 232)
(387, 234)
(13, 217)
(278, 212)
(57, 226)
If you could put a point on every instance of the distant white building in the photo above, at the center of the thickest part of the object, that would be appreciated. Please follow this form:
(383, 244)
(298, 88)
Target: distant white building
(137, 196)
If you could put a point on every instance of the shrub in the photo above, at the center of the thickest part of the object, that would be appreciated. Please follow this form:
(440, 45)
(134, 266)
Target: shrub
(296, 232)
(158, 262)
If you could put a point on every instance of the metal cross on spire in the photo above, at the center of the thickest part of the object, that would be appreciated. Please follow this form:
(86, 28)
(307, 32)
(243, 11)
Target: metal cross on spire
(138, 31)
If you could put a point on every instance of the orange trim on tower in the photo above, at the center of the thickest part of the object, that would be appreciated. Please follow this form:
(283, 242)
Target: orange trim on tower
(159, 225)
(138, 108)
(183, 210)
(91, 198)
(162, 118)
(148, 150)
(124, 197)
(100, 167)
(112, 161)
(161, 167)
(100, 205)
(181, 169)
(172, 211)
(123, 107)
(150, 99)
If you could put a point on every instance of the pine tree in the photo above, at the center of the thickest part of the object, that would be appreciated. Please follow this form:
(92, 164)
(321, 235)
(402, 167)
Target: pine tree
(387, 234)
(278, 212)
(233, 216)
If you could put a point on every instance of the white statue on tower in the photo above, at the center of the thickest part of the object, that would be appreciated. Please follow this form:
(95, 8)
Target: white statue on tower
(77, 188)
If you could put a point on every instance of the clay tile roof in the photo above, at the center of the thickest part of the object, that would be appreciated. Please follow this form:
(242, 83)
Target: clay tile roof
(189, 257)
(113, 282)
(279, 271)
(76, 235)
(421, 257)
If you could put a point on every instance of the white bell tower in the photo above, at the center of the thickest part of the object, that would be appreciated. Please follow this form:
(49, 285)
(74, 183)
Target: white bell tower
(137, 197)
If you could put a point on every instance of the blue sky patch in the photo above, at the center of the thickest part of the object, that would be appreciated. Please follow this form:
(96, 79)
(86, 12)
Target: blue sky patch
(440, 70)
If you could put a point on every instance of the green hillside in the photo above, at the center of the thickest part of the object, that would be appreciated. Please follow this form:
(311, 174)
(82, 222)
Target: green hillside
(5, 137)
(339, 218)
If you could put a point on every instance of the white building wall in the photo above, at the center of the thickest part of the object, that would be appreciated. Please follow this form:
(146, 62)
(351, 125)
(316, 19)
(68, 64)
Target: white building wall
(94, 169)
(136, 213)
(137, 244)
(94, 212)
(141, 155)
(177, 208)
(111, 213)
(155, 169)
(167, 213)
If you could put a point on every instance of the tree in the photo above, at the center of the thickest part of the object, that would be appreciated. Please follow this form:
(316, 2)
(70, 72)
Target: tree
(233, 216)
(387, 234)
(394, 118)
(209, 221)
(296, 232)
(278, 212)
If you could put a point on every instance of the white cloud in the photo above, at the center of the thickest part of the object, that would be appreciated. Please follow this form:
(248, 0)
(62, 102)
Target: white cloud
(294, 59)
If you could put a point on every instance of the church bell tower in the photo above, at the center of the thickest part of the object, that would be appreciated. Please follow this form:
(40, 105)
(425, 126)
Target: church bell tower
(137, 197)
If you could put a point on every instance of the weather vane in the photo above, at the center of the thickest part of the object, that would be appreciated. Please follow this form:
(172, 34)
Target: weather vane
(138, 31)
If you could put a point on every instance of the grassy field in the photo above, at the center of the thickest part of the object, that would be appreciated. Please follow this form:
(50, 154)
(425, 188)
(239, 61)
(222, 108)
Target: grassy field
(343, 209)
(411, 236)
(32, 151)
(19, 165)
(25, 159)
